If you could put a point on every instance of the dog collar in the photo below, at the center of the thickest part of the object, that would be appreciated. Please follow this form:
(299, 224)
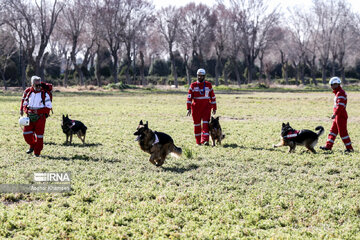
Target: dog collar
(72, 123)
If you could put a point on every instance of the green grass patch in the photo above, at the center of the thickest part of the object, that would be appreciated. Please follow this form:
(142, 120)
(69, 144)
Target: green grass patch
(242, 189)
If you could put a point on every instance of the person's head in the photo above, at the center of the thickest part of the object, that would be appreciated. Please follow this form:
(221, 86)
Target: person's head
(201, 74)
(334, 82)
(36, 82)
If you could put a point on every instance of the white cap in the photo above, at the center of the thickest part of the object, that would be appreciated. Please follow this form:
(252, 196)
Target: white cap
(201, 71)
(334, 80)
(24, 121)
(35, 78)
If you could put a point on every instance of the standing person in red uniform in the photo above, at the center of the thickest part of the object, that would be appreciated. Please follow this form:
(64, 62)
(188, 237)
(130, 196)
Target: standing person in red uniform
(36, 103)
(340, 117)
(201, 99)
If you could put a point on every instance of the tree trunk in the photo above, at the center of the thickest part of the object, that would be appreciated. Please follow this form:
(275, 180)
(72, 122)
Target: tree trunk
(128, 64)
(3, 77)
(173, 69)
(115, 67)
(217, 66)
(142, 69)
(323, 73)
(236, 69)
(97, 67)
(343, 79)
(225, 75)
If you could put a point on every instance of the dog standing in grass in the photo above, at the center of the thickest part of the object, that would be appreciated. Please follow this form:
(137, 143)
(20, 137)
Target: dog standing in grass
(71, 127)
(291, 137)
(215, 131)
(157, 144)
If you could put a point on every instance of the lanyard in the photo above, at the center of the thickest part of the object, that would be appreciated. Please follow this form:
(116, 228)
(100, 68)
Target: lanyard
(203, 91)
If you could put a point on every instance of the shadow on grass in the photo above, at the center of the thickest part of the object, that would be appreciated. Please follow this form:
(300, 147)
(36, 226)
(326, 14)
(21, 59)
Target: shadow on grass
(234, 145)
(80, 157)
(81, 145)
(181, 169)
(74, 144)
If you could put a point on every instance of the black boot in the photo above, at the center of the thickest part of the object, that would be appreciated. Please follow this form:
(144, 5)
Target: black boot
(30, 150)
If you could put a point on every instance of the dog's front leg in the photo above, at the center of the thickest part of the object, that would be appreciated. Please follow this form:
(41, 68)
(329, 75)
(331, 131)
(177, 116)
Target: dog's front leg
(292, 146)
(152, 159)
(70, 138)
(280, 144)
(67, 139)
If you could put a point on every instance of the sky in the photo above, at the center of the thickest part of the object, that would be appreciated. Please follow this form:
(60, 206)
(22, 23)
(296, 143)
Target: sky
(282, 3)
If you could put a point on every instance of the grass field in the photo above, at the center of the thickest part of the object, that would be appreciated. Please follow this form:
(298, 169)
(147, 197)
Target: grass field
(242, 189)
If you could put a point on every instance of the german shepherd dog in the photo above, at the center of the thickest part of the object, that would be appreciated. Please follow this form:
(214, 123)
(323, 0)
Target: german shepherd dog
(157, 144)
(215, 131)
(71, 127)
(291, 137)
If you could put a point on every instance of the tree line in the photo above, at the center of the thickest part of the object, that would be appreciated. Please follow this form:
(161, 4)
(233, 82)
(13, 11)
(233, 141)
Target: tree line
(129, 41)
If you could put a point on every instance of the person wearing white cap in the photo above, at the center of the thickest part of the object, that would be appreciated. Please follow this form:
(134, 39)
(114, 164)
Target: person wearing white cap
(339, 125)
(36, 103)
(201, 99)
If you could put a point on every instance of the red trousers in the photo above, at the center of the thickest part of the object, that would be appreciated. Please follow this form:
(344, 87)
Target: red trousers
(34, 134)
(339, 126)
(201, 132)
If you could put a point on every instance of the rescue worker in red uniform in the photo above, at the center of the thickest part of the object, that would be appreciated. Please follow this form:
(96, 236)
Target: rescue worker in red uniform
(340, 117)
(201, 99)
(36, 104)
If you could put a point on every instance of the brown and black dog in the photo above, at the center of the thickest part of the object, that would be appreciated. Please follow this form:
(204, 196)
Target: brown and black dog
(291, 137)
(157, 144)
(215, 131)
(71, 127)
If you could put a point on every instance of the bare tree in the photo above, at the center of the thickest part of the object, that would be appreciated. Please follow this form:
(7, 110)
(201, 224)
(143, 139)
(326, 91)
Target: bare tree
(73, 27)
(197, 24)
(113, 20)
(327, 16)
(7, 49)
(34, 24)
(254, 21)
(303, 38)
(343, 40)
(168, 21)
(221, 34)
(138, 14)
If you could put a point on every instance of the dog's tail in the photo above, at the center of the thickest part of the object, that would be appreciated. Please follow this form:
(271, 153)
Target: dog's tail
(320, 129)
(176, 152)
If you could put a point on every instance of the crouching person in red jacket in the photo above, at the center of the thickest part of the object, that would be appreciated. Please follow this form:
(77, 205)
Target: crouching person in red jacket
(36, 103)
(201, 99)
(340, 117)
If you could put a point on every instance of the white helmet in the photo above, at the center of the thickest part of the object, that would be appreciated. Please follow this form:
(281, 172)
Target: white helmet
(24, 121)
(35, 78)
(334, 80)
(201, 71)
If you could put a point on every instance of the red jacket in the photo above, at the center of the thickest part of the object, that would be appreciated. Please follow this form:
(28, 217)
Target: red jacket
(340, 102)
(202, 95)
(25, 101)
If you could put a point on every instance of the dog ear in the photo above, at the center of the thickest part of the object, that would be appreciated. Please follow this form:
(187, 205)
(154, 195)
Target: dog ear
(141, 122)
(147, 124)
(283, 124)
(217, 118)
(288, 124)
(212, 118)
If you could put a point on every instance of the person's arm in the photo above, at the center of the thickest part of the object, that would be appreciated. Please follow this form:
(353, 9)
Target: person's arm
(212, 99)
(189, 100)
(22, 102)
